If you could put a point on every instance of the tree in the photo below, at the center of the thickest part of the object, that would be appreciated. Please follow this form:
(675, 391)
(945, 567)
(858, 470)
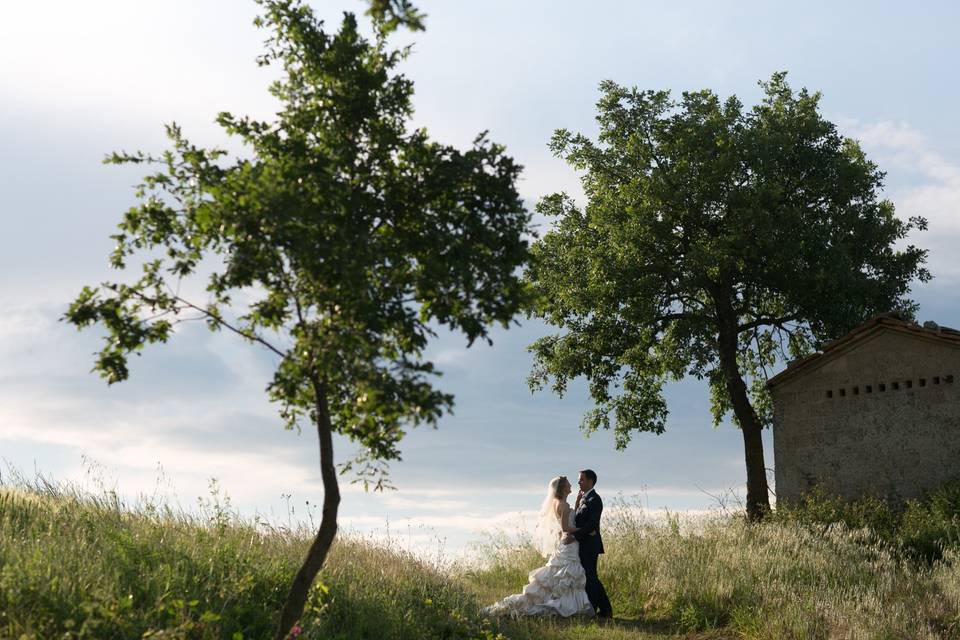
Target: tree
(339, 242)
(715, 242)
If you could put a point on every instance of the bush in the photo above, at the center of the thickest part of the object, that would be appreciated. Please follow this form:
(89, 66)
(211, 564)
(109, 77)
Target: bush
(922, 528)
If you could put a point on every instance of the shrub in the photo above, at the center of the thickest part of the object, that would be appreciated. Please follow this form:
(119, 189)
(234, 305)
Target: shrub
(920, 528)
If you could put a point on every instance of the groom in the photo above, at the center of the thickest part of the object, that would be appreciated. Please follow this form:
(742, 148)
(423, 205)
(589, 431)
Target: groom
(587, 520)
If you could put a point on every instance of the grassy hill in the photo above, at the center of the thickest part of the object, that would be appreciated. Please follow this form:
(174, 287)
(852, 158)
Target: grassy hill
(79, 566)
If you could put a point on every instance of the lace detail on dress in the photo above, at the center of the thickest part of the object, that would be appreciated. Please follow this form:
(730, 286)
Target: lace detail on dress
(557, 588)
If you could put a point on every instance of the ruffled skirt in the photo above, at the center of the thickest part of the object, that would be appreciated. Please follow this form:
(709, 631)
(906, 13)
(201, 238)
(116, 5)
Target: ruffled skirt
(557, 588)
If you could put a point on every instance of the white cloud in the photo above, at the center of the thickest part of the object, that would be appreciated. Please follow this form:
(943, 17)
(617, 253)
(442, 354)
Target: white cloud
(24, 323)
(923, 182)
(469, 522)
(471, 517)
(196, 408)
(888, 134)
(456, 537)
(448, 357)
(446, 491)
(133, 62)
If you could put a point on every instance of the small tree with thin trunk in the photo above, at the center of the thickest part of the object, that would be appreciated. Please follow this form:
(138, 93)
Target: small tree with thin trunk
(338, 242)
(715, 242)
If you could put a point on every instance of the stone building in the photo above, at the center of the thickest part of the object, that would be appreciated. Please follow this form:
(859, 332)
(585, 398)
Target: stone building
(877, 412)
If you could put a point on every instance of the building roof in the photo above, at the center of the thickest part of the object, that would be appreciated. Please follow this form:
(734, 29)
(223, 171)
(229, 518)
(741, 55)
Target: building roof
(883, 322)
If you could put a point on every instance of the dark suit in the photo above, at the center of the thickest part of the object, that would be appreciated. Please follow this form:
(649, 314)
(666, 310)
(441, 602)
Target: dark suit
(587, 521)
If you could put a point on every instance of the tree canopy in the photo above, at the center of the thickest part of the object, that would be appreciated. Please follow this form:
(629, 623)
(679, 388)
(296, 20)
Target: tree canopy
(338, 241)
(715, 242)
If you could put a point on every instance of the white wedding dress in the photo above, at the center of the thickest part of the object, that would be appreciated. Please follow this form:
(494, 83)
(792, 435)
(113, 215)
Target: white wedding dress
(556, 588)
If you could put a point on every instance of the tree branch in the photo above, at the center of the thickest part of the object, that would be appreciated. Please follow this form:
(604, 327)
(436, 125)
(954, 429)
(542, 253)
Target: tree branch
(677, 316)
(762, 321)
(249, 335)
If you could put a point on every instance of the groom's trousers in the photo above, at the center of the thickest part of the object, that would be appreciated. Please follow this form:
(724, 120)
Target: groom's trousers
(595, 591)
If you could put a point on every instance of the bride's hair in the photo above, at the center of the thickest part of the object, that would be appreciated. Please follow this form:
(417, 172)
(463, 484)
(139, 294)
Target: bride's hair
(547, 532)
(557, 485)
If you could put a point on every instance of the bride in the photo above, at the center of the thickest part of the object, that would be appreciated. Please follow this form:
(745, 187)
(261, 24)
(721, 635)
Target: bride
(558, 586)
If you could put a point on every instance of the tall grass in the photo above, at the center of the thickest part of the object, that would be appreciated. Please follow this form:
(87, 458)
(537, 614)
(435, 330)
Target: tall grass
(79, 565)
(75, 564)
(775, 580)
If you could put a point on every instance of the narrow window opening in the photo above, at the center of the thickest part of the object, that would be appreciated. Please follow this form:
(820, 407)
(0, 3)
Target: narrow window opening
(883, 387)
(869, 388)
(923, 382)
(949, 379)
(856, 391)
(909, 384)
(843, 392)
(895, 386)
(829, 393)
(936, 379)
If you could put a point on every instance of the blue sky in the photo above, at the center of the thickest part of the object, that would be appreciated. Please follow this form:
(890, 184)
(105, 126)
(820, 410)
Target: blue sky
(81, 79)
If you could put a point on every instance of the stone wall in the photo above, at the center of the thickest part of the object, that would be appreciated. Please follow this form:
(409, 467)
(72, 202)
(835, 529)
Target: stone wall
(880, 418)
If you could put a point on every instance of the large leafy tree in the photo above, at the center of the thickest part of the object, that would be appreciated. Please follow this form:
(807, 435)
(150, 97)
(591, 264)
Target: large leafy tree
(715, 242)
(336, 240)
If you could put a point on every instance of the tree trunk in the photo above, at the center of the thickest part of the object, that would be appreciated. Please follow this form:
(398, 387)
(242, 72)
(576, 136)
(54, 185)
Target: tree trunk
(758, 498)
(297, 598)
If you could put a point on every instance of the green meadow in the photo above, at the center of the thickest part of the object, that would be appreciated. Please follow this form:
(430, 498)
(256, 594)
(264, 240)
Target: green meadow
(79, 565)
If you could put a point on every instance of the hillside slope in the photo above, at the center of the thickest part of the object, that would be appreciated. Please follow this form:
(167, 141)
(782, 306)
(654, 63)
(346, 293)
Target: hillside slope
(78, 566)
